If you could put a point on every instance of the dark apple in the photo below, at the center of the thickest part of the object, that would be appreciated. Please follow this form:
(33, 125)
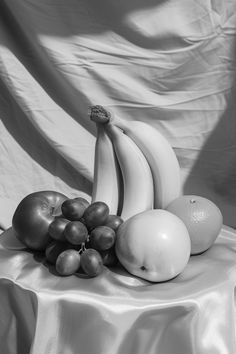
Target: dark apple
(33, 216)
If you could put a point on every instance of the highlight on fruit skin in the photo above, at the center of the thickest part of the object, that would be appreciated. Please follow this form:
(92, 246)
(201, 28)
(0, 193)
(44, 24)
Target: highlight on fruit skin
(99, 114)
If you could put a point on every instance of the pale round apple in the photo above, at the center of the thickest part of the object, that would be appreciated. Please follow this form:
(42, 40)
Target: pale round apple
(154, 245)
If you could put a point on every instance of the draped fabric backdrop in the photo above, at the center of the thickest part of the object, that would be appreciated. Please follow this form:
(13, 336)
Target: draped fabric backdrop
(170, 63)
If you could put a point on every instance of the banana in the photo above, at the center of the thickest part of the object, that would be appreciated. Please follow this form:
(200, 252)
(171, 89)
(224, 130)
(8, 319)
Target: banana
(160, 156)
(106, 184)
(137, 177)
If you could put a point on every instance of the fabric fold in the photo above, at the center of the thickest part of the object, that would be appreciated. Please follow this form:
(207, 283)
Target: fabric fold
(116, 312)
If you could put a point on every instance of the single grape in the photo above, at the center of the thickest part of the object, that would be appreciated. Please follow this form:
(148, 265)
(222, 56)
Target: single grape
(102, 238)
(91, 262)
(109, 257)
(76, 232)
(96, 214)
(114, 221)
(57, 227)
(68, 262)
(73, 209)
(82, 201)
(53, 250)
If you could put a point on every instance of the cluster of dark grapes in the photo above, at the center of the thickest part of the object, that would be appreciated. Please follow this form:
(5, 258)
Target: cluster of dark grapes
(83, 238)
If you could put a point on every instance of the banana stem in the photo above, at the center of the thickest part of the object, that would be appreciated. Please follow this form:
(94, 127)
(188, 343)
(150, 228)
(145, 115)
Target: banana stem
(99, 114)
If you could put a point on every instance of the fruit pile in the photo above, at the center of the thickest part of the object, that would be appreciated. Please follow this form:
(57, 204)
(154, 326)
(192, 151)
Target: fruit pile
(138, 175)
(81, 238)
(137, 214)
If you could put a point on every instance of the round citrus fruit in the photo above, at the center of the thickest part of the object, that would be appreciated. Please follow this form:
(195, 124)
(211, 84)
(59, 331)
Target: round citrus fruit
(202, 218)
(153, 245)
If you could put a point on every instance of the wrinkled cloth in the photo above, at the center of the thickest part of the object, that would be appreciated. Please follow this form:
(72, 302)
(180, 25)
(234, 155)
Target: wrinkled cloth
(116, 313)
(166, 62)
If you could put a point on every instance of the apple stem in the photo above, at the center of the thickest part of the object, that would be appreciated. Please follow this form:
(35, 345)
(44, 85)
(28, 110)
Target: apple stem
(143, 268)
(192, 201)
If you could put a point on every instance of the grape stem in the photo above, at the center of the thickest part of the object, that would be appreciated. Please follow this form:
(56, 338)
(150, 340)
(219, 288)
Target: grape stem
(82, 248)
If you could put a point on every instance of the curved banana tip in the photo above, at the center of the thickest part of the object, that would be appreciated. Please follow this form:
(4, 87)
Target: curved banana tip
(99, 114)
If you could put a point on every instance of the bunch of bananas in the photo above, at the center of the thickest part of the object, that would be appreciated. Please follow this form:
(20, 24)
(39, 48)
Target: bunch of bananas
(135, 168)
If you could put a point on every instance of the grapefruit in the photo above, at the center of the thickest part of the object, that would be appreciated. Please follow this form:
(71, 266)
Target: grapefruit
(202, 218)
